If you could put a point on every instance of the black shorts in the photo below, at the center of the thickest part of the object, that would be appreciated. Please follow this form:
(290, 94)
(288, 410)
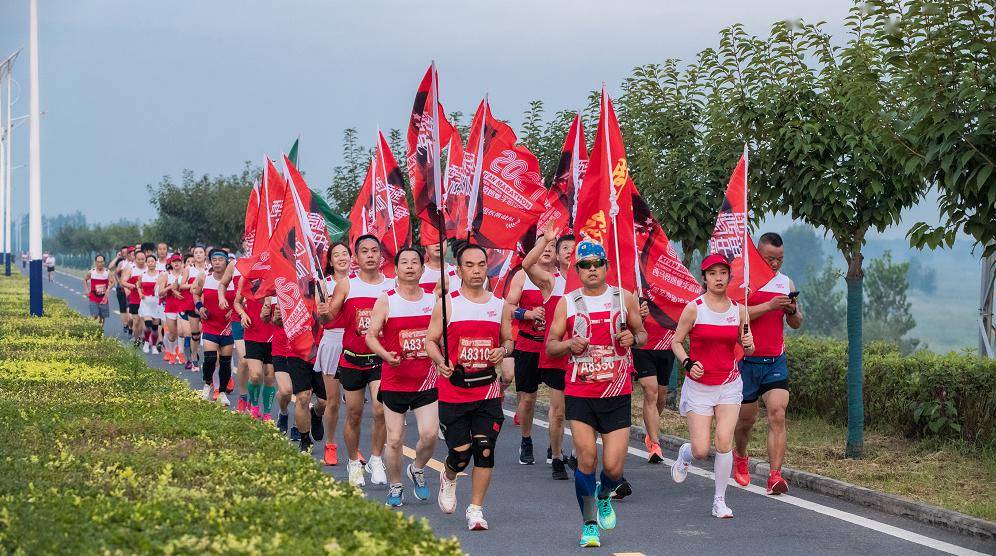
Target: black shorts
(279, 363)
(527, 375)
(51, 269)
(356, 379)
(654, 362)
(602, 414)
(192, 314)
(260, 351)
(463, 421)
(554, 378)
(304, 377)
(122, 301)
(133, 308)
(400, 402)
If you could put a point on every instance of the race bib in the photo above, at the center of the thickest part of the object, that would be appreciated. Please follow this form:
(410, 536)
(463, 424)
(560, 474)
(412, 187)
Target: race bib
(474, 352)
(362, 320)
(598, 364)
(413, 344)
(100, 289)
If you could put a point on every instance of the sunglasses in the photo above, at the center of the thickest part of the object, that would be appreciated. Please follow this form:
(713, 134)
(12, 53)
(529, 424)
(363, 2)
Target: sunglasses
(587, 265)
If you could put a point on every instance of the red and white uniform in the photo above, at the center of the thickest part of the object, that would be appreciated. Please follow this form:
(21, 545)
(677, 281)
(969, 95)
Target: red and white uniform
(714, 341)
(355, 315)
(430, 279)
(98, 284)
(473, 329)
(218, 322)
(404, 334)
(174, 304)
(279, 347)
(550, 306)
(258, 331)
(330, 346)
(193, 273)
(531, 332)
(604, 369)
(769, 328)
(135, 295)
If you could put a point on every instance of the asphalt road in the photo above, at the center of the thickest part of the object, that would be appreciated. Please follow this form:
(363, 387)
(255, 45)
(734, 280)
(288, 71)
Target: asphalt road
(530, 513)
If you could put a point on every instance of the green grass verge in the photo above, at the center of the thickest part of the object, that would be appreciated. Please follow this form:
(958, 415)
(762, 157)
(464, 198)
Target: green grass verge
(101, 454)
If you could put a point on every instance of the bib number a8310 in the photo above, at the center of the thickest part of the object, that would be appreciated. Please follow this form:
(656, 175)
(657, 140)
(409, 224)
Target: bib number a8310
(474, 352)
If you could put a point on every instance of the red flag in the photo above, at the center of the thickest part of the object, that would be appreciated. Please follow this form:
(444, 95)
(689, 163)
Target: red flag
(457, 190)
(362, 213)
(730, 236)
(502, 266)
(506, 190)
(316, 237)
(257, 266)
(560, 207)
(253, 213)
(604, 213)
(428, 129)
(390, 203)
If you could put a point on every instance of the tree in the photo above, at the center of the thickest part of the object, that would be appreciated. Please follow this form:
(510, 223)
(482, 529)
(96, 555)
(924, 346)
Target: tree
(823, 302)
(921, 277)
(803, 255)
(348, 176)
(887, 311)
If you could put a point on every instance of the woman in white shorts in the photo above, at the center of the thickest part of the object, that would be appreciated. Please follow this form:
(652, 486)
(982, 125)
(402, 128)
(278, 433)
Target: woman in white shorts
(712, 323)
(150, 312)
(329, 350)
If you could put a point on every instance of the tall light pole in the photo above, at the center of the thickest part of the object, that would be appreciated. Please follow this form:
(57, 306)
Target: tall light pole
(34, 165)
(8, 156)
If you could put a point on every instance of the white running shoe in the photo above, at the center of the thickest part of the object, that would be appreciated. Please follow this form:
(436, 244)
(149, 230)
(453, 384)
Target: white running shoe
(475, 519)
(355, 471)
(447, 494)
(720, 509)
(145, 347)
(154, 350)
(679, 469)
(206, 392)
(377, 470)
(223, 399)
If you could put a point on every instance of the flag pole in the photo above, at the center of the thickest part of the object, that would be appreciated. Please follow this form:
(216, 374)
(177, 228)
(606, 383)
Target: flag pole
(306, 227)
(745, 252)
(437, 192)
(613, 205)
(387, 192)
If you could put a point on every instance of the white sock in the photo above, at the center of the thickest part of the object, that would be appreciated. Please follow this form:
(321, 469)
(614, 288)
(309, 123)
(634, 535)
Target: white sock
(722, 469)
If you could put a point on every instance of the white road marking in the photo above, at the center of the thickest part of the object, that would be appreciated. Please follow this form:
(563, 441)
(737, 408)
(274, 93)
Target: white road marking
(813, 506)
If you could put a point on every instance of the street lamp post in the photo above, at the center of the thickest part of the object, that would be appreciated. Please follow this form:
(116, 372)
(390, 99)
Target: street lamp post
(34, 181)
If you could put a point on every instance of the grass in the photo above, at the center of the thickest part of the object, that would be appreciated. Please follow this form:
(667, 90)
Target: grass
(101, 454)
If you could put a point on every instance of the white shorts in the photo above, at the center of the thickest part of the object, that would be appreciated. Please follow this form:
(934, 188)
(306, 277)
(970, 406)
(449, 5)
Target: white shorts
(329, 350)
(700, 399)
(150, 308)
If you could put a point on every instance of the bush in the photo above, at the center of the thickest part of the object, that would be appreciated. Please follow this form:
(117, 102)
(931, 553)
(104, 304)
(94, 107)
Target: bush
(920, 395)
(102, 454)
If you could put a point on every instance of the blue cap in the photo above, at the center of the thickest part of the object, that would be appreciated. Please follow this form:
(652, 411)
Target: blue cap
(589, 249)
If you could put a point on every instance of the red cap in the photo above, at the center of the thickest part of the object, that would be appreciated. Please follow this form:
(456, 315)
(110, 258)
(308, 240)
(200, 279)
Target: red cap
(713, 260)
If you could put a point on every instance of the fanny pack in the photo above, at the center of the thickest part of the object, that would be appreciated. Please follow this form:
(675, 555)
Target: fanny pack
(528, 336)
(464, 378)
(361, 359)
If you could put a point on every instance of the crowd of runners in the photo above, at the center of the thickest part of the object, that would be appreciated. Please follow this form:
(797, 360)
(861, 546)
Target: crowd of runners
(383, 344)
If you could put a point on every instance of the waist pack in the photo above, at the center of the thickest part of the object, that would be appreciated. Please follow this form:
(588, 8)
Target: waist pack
(361, 359)
(472, 378)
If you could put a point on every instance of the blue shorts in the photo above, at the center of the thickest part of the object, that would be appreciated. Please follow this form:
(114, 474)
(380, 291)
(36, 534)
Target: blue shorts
(761, 374)
(237, 330)
(222, 341)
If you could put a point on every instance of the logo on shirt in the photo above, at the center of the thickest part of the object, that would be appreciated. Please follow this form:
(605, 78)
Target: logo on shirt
(731, 319)
(492, 313)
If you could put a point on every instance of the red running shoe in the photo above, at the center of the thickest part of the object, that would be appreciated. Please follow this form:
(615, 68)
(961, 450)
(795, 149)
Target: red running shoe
(360, 457)
(776, 484)
(331, 455)
(231, 385)
(741, 469)
(240, 407)
(654, 453)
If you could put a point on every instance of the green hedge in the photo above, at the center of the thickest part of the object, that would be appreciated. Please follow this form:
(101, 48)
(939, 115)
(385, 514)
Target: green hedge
(925, 394)
(101, 454)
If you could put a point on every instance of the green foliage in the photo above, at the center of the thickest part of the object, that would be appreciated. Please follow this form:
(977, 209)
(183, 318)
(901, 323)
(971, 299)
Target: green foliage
(921, 277)
(205, 209)
(803, 254)
(347, 178)
(104, 455)
(88, 241)
(823, 302)
(887, 310)
(920, 395)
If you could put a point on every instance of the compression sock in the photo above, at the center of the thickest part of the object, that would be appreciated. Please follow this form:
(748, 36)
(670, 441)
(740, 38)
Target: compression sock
(722, 468)
(608, 485)
(584, 488)
(268, 394)
(253, 389)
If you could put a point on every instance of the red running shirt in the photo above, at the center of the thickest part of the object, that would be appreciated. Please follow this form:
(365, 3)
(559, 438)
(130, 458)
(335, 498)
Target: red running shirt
(98, 284)
(473, 329)
(404, 333)
(430, 279)
(173, 303)
(603, 370)
(550, 306)
(769, 328)
(714, 341)
(217, 322)
(531, 332)
(135, 295)
(354, 318)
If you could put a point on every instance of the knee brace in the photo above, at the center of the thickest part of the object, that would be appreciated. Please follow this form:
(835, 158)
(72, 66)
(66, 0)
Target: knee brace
(457, 461)
(195, 336)
(484, 452)
(148, 324)
(207, 369)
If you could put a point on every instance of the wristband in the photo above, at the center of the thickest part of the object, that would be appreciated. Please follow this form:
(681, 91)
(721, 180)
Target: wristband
(794, 311)
(198, 305)
(519, 313)
(688, 363)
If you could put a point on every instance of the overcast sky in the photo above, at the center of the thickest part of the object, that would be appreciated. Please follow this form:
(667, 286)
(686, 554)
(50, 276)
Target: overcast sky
(136, 90)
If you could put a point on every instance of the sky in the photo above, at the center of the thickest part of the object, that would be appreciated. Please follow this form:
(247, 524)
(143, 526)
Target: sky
(133, 91)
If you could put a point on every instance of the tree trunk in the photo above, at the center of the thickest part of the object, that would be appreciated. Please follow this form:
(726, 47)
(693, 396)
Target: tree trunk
(855, 371)
(686, 256)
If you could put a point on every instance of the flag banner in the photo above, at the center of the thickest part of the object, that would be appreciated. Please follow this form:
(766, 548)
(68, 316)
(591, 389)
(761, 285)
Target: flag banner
(274, 186)
(560, 206)
(604, 211)
(390, 204)
(317, 234)
(502, 266)
(428, 130)
(456, 189)
(336, 225)
(730, 237)
(292, 153)
(252, 219)
(507, 195)
(256, 266)
(362, 213)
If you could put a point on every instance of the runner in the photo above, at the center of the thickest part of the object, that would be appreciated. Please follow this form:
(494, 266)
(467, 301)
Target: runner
(186, 309)
(304, 380)
(550, 283)
(327, 360)
(408, 380)
(765, 372)
(652, 366)
(119, 264)
(430, 274)
(258, 336)
(712, 322)
(96, 282)
(476, 340)
(217, 327)
(50, 265)
(169, 291)
(597, 325)
(149, 310)
(162, 266)
(192, 273)
(279, 350)
(350, 307)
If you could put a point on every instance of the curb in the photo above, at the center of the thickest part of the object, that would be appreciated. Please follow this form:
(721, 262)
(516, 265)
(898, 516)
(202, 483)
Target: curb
(886, 503)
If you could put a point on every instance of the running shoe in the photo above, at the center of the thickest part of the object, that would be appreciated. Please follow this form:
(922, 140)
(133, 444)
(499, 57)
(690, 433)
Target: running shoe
(206, 392)
(295, 434)
(154, 350)
(223, 399)
(559, 470)
(526, 452)
(216, 392)
(168, 358)
(188, 366)
(231, 384)
(255, 412)
(720, 509)
(572, 462)
(306, 443)
(240, 406)
(776, 484)
(606, 515)
(360, 457)
(419, 487)
(679, 469)
(447, 498)
(317, 427)
(178, 356)
(741, 469)
(355, 471)
(475, 519)
(282, 423)
(377, 470)
(331, 456)
(653, 449)
(589, 536)
(145, 347)
(395, 496)
(622, 491)
(549, 455)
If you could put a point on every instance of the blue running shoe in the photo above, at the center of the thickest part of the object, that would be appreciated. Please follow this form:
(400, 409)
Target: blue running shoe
(418, 483)
(395, 496)
(589, 536)
(606, 515)
(282, 423)
(295, 435)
